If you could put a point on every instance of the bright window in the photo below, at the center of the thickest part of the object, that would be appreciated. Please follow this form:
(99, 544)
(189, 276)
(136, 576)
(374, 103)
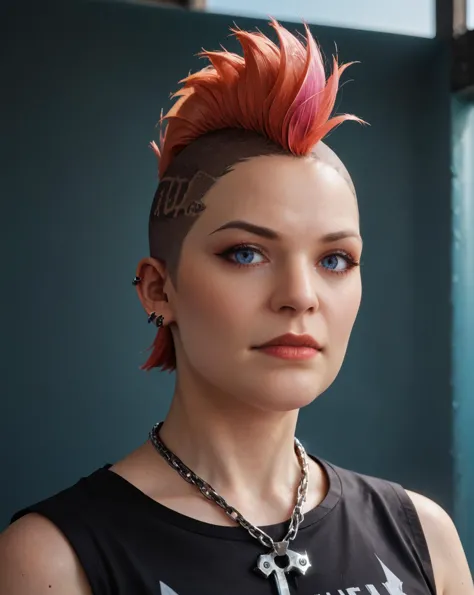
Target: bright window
(403, 16)
(470, 14)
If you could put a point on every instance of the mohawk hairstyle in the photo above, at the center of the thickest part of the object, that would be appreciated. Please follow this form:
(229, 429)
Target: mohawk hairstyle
(279, 91)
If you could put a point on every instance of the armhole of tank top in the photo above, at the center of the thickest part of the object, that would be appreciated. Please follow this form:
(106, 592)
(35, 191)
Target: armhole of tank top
(417, 534)
(79, 540)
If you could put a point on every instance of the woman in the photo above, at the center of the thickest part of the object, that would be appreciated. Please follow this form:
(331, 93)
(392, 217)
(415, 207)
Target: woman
(254, 283)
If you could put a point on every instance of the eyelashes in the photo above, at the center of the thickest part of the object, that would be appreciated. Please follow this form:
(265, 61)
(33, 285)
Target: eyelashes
(245, 250)
(242, 255)
(345, 256)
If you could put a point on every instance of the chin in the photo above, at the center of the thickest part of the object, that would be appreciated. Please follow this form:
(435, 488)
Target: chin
(286, 391)
(282, 403)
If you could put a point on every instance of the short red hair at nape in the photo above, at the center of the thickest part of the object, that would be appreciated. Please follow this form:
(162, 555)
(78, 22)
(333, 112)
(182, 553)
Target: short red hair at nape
(279, 91)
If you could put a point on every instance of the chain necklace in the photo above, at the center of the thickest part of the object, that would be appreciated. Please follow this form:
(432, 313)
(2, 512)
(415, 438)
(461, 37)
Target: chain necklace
(266, 563)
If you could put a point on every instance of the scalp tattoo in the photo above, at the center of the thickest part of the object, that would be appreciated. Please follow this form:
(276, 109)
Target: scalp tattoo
(179, 196)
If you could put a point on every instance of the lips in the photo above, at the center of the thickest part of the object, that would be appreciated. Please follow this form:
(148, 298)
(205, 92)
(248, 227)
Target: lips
(292, 340)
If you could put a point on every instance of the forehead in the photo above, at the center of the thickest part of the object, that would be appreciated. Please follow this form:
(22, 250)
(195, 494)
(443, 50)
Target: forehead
(290, 194)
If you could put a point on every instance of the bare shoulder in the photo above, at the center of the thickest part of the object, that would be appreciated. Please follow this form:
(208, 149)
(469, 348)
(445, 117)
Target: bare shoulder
(450, 566)
(35, 557)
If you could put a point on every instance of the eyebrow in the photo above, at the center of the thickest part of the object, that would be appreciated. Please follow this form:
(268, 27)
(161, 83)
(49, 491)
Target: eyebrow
(270, 234)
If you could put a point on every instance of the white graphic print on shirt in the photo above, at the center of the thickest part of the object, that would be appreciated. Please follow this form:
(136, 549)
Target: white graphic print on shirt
(165, 590)
(393, 586)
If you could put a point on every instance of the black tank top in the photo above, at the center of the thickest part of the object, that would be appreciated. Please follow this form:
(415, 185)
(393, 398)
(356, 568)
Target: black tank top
(365, 538)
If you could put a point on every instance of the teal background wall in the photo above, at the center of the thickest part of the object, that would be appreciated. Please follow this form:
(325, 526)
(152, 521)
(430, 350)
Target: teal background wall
(83, 86)
(463, 318)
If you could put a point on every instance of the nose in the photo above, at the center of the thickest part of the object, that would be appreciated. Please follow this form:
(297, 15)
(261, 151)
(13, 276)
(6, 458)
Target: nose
(296, 289)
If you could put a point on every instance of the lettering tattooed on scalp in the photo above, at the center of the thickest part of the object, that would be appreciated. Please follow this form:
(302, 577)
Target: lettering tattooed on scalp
(174, 196)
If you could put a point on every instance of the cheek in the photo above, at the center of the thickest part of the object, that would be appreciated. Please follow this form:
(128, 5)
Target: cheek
(342, 311)
(208, 306)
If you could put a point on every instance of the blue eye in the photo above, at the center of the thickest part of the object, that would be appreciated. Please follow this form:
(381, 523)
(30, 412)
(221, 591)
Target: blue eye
(243, 255)
(338, 263)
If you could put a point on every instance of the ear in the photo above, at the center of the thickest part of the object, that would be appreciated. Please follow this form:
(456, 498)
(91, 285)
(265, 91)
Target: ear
(151, 289)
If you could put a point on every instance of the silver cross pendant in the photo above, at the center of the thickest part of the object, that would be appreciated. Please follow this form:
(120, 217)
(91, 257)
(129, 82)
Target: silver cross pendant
(267, 566)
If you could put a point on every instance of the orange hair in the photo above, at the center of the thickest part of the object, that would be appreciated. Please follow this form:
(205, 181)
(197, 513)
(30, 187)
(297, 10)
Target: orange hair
(279, 91)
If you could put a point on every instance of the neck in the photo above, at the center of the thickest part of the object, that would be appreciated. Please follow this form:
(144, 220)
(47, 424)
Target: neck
(240, 452)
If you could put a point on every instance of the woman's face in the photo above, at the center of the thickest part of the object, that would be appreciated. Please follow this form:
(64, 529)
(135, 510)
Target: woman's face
(290, 271)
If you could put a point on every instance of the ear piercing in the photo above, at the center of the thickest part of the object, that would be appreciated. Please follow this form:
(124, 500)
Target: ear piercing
(158, 320)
